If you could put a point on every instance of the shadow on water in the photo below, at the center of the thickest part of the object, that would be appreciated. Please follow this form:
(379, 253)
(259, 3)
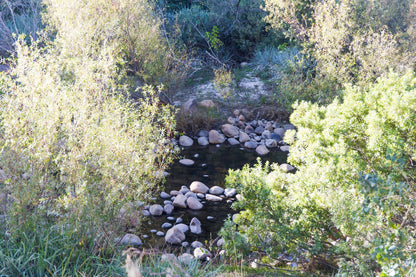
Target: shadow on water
(211, 166)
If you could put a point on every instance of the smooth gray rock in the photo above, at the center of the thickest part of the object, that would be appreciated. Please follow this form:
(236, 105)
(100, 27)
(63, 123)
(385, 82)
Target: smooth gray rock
(216, 190)
(174, 236)
(215, 137)
(183, 227)
(187, 162)
(230, 192)
(249, 129)
(184, 190)
(160, 234)
(131, 239)
(210, 217)
(156, 210)
(266, 134)
(186, 258)
(280, 131)
(185, 141)
(203, 141)
(229, 130)
(250, 144)
(198, 187)
(178, 220)
(259, 130)
(285, 148)
(203, 133)
(201, 253)
(170, 218)
(271, 143)
(233, 141)
(185, 244)
(286, 167)
(231, 120)
(174, 192)
(195, 226)
(243, 137)
(200, 195)
(179, 201)
(166, 225)
(190, 194)
(194, 204)
(213, 198)
(145, 213)
(196, 244)
(164, 195)
(262, 150)
(168, 209)
(167, 202)
(220, 242)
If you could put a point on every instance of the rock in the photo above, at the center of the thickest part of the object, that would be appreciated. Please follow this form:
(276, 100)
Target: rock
(208, 104)
(190, 106)
(241, 118)
(185, 141)
(239, 197)
(187, 162)
(266, 134)
(196, 244)
(201, 253)
(243, 137)
(166, 225)
(269, 126)
(233, 141)
(276, 137)
(220, 242)
(185, 244)
(203, 133)
(131, 239)
(145, 213)
(198, 187)
(280, 132)
(213, 198)
(203, 141)
(231, 120)
(160, 234)
(190, 194)
(174, 192)
(168, 258)
(243, 64)
(167, 202)
(285, 148)
(178, 220)
(200, 195)
(164, 195)
(156, 210)
(186, 258)
(249, 129)
(174, 236)
(168, 208)
(215, 137)
(230, 192)
(250, 144)
(184, 190)
(170, 218)
(236, 112)
(179, 201)
(183, 227)
(259, 130)
(289, 127)
(195, 226)
(153, 231)
(194, 204)
(210, 217)
(286, 167)
(271, 143)
(229, 130)
(216, 190)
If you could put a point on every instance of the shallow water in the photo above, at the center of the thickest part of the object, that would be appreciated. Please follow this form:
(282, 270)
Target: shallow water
(213, 162)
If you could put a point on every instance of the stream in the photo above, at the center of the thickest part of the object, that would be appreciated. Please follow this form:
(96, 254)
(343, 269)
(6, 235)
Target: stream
(211, 166)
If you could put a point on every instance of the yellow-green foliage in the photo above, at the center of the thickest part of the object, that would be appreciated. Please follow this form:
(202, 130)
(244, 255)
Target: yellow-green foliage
(128, 29)
(356, 162)
(223, 82)
(86, 149)
(348, 41)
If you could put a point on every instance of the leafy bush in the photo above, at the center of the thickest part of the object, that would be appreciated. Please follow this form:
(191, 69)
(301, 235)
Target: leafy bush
(348, 41)
(353, 191)
(129, 29)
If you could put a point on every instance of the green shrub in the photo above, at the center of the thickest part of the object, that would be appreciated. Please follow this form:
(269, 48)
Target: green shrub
(353, 191)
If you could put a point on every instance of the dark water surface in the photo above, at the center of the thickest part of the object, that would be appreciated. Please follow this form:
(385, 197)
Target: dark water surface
(211, 166)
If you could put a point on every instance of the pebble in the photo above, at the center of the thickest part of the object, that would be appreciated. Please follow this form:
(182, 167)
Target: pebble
(160, 234)
(170, 218)
(179, 220)
(196, 244)
(153, 231)
(187, 162)
(166, 225)
(210, 217)
(164, 195)
(213, 198)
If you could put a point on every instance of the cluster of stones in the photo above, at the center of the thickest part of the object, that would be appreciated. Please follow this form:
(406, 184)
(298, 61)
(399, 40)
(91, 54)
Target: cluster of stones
(260, 135)
(192, 198)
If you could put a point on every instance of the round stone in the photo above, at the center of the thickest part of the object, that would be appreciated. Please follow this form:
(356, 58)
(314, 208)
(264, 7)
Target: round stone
(187, 162)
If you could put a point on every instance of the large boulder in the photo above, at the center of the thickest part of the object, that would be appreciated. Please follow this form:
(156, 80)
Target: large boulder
(198, 187)
(174, 236)
(229, 130)
(215, 137)
(185, 141)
